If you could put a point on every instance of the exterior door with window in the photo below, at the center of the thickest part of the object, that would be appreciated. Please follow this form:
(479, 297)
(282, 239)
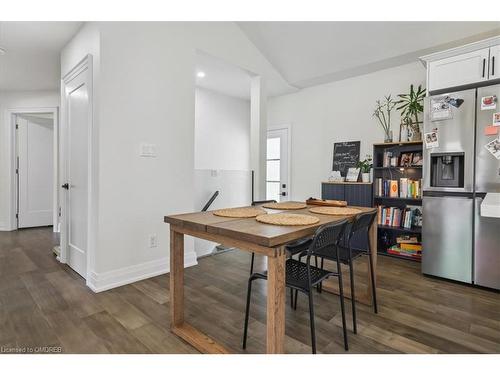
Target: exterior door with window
(277, 181)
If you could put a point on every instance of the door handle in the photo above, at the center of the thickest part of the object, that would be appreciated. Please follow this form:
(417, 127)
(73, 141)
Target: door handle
(493, 66)
(484, 66)
(65, 186)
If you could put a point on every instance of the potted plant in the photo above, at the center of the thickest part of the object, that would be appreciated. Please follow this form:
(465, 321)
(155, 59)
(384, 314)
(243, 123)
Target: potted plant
(365, 167)
(382, 112)
(411, 106)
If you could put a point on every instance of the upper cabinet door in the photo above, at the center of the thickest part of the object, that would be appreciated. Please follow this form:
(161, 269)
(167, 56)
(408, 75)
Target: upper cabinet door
(495, 62)
(459, 70)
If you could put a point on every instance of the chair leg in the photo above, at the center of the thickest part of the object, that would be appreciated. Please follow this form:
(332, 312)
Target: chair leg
(321, 284)
(342, 307)
(318, 287)
(251, 263)
(353, 297)
(247, 313)
(374, 288)
(295, 299)
(311, 317)
(291, 298)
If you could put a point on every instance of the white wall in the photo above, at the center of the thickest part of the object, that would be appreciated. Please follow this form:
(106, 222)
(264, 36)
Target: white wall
(15, 100)
(336, 112)
(146, 94)
(222, 131)
(222, 154)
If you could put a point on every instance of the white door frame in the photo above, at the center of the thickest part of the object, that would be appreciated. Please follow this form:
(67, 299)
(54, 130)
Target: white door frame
(11, 116)
(84, 65)
(288, 128)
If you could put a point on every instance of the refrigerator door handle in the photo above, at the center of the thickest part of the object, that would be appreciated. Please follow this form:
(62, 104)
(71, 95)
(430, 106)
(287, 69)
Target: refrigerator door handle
(484, 66)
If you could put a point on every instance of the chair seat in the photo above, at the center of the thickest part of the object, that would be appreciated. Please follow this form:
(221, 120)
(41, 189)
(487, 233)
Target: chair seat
(296, 275)
(330, 254)
(299, 246)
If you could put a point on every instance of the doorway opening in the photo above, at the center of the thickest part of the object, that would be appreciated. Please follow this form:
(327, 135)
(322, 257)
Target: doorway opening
(35, 171)
(34, 168)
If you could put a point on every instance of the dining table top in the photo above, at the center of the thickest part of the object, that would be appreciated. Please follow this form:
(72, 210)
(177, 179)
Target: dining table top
(250, 230)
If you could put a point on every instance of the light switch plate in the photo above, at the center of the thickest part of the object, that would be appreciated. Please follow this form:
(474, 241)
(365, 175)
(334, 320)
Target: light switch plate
(148, 150)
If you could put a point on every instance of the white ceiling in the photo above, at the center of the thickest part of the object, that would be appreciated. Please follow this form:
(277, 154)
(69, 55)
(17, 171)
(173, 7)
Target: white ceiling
(31, 61)
(222, 77)
(311, 53)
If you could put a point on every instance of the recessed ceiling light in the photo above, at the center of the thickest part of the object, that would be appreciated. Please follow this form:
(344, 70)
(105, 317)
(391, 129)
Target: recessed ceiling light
(200, 74)
(2, 51)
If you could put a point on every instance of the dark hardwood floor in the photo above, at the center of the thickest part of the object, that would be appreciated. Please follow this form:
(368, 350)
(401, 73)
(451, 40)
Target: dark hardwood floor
(45, 304)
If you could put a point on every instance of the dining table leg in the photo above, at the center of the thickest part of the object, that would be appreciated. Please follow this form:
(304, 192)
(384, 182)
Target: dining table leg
(176, 279)
(276, 302)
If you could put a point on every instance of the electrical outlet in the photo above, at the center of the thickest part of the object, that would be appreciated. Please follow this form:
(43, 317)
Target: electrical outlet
(153, 240)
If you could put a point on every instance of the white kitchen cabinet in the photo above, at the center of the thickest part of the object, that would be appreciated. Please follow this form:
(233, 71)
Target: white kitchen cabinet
(494, 62)
(459, 70)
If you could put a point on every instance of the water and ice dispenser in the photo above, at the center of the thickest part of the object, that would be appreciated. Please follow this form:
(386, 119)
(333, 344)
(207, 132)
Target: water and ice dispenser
(447, 170)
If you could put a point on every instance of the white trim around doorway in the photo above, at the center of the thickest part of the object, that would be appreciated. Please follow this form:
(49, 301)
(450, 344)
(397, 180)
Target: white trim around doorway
(12, 162)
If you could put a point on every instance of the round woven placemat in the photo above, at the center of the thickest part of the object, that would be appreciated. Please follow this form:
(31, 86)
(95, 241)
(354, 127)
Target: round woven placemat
(285, 205)
(335, 210)
(243, 212)
(287, 219)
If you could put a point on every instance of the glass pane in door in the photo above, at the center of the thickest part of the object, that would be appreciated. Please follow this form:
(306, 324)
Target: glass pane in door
(273, 191)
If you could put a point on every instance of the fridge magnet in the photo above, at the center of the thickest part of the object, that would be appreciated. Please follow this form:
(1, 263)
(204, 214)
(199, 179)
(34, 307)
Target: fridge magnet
(454, 102)
(440, 109)
(431, 139)
(494, 148)
(496, 119)
(491, 130)
(488, 102)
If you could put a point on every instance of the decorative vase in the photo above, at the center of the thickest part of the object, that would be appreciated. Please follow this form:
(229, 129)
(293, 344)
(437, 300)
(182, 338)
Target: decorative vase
(388, 137)
(416, 136)
(403, 133)
(365, 177)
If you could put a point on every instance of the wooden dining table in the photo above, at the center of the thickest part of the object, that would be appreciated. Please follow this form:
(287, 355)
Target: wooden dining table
(251, 236)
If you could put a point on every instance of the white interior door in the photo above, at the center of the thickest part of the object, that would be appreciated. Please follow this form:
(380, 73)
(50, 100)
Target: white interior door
(76, 187)
(35, 148)
(277, 165)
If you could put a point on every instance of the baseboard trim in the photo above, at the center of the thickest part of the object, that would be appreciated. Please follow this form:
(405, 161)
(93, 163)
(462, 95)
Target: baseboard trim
(100, 282)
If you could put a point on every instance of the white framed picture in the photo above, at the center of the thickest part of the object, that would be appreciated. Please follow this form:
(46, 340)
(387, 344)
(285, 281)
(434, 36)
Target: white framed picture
(352, 174)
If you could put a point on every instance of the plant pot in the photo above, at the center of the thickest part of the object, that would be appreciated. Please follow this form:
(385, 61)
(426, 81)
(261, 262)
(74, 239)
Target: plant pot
(365, 177)
(388, 137)
(416, 136)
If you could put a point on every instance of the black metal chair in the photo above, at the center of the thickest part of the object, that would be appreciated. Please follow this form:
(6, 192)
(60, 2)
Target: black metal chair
(304, 277)
(361, 224)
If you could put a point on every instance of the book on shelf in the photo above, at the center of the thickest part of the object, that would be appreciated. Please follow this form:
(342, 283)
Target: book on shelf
(407, 239)
(407, 218)
(402, 188)
(411, 246)
(397, 250)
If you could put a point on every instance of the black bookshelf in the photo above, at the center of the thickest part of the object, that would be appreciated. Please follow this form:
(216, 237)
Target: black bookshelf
(387, 234)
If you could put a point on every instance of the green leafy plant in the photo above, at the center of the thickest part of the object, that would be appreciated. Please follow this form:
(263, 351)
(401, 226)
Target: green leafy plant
(365, 165)
(411, 106)
(383, 111)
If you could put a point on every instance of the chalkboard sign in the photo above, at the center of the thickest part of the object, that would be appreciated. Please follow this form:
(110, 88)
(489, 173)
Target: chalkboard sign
(345, 155)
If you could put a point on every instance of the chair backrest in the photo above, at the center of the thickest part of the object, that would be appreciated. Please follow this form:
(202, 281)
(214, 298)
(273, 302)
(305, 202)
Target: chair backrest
(363, 221)
(256, 203)
(327, 236)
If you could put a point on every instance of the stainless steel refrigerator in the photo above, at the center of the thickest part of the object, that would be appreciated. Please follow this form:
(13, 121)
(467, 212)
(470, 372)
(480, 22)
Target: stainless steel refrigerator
(459, 243)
